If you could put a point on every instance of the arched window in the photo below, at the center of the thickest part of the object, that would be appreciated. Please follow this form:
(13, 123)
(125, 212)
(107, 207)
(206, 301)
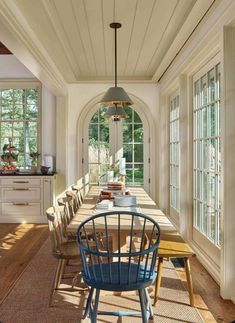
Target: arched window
(109, 141)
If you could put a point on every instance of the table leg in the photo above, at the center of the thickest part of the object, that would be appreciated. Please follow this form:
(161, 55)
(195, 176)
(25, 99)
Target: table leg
(189, 280)
(158, 280)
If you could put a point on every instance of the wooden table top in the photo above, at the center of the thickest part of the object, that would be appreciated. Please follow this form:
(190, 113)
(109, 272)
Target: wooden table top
(171, 243)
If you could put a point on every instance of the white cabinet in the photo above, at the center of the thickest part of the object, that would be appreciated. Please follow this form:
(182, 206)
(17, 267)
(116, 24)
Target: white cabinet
(25, 198)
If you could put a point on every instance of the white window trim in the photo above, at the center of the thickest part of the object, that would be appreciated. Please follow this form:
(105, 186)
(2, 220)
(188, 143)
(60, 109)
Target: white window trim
(24, 84)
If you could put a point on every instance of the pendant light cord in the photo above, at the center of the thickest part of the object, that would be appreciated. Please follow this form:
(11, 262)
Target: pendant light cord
(115, 56)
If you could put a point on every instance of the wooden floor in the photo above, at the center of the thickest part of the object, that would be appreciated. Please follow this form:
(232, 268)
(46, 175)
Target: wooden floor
(207, 298)
(20, 242)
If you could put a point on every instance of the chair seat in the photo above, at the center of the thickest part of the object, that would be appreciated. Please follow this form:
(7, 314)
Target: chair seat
(68, 250)
(127, 277)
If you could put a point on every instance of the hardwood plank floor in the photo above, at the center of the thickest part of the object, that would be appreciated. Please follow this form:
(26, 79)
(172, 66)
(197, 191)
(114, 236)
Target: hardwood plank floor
(207, 295)
(18, 245)
(20, 242)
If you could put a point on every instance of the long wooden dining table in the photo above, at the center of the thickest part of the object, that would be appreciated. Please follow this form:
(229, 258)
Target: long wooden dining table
(171, 245)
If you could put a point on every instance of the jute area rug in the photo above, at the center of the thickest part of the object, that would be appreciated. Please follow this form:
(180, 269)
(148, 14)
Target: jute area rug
(28, 300)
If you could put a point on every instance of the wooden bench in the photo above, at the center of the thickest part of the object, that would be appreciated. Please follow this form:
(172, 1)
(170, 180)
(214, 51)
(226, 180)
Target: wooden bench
(173, 246)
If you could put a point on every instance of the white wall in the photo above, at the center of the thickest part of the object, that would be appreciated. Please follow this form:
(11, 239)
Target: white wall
(12, 68)
(48, 123)
(79, 96)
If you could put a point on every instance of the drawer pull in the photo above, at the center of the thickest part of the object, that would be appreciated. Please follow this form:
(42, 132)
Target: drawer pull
(22, 204)
(20, 189)
(21, 182)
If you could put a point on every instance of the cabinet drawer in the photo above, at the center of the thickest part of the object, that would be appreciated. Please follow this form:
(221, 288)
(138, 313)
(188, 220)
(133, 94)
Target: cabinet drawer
(20, 194)
(21, 182)
(20, 209)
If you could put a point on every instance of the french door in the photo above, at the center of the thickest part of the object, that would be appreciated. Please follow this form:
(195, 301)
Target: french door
(174, 158)
(207, 159)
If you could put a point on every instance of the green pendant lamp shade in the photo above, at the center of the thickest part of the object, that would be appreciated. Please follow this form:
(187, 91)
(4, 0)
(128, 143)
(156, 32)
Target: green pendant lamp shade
(116, 98)
(116, 95)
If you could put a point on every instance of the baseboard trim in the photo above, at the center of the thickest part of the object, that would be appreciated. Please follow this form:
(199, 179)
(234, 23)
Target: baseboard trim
(206, 261)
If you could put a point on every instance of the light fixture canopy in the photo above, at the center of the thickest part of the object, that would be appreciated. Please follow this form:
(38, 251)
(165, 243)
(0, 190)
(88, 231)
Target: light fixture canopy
(116, 98)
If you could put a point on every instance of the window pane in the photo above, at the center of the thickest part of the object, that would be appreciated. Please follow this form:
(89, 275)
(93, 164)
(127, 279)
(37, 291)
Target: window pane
(31, 128)
(19, 96)
(138, 133)
(94, 173)
(7, 97)
(18, 129)
(31, 112)
(104, 134)
(127, 132)
(18, 111)
(204, 90)
(7, 112)
(211, 120)
(6, 129)
(102, 118)
(31, 96)
(19, 143)
(138, 153)
(94, 119)
(129, 176)
(139, 174)
(127, 152)
(93, 133)
(137, 118)
(128, 110)
(211, 81)
(31, 143)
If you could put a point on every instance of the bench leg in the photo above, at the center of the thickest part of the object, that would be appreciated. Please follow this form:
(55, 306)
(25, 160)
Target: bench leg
(158, 280)
(189, 280)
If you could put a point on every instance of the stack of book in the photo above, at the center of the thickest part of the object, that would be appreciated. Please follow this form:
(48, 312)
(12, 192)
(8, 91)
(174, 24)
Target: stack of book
(116, 186)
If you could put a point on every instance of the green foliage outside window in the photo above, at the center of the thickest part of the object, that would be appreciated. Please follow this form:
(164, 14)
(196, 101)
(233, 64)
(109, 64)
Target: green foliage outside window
(19, 110)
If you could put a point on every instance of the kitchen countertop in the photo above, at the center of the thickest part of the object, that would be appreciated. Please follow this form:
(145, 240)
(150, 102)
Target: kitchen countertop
(26, 174)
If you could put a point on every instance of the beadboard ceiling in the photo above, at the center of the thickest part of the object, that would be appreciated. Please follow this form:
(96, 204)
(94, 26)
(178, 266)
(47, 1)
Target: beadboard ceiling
(77, 36)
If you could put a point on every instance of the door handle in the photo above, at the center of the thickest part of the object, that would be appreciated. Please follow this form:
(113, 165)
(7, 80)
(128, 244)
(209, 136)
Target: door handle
(20, 204)
(21, 182)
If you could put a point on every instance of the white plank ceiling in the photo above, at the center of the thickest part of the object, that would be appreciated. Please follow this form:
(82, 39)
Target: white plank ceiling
(77, 36)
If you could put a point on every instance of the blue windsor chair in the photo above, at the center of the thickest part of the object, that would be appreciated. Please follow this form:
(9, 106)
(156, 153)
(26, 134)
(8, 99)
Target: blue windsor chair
(105, 269)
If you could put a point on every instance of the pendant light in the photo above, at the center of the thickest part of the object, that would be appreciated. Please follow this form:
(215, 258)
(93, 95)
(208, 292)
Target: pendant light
(116, 98)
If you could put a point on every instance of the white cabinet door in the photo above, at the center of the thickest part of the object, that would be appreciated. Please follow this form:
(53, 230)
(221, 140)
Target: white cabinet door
(21, 194)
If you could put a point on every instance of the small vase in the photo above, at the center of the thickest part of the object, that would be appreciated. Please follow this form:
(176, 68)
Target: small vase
(110, 176)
